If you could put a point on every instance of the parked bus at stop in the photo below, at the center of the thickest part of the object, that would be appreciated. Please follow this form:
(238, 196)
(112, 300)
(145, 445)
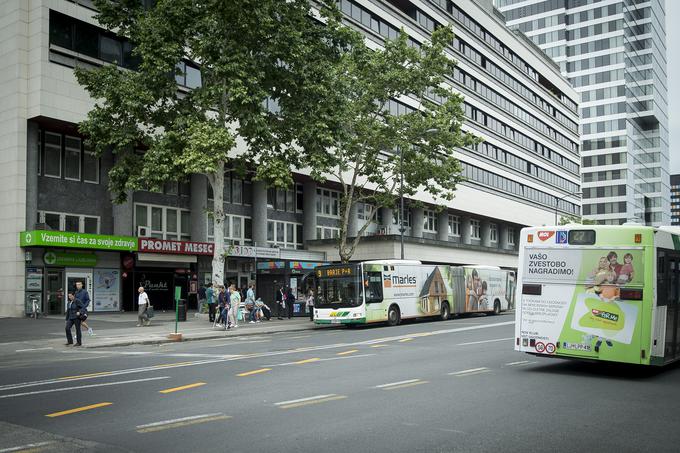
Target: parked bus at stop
(600, 293)
(393, 290)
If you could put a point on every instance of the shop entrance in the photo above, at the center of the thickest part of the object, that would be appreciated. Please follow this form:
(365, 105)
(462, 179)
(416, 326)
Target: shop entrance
(55, 292)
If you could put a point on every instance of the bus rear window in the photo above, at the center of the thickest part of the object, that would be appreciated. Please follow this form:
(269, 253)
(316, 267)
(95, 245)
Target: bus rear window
(582, 237)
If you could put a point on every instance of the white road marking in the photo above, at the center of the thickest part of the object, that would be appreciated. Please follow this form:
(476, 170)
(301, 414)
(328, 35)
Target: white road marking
(302, 400)
(67, 389)
(26, 447)
(520, 363)
(485, 341)
(396, 383)
(248, 356)
(177, 420)
(31, 350)
(469, 372)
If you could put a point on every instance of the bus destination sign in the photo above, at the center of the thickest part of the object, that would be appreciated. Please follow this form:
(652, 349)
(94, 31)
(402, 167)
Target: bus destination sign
(338, 271)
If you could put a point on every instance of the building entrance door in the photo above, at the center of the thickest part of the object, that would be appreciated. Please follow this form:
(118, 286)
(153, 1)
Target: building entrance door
(55, 292)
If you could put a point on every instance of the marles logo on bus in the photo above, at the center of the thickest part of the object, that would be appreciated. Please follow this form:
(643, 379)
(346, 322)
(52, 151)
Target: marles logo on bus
(545, 235)
(399, 280)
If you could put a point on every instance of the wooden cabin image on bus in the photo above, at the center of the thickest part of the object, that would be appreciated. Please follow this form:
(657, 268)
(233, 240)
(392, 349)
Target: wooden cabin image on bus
(433, 293)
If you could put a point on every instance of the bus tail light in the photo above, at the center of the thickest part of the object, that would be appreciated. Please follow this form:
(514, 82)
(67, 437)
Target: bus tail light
(532, 290)
(638, 238)
(631, 294)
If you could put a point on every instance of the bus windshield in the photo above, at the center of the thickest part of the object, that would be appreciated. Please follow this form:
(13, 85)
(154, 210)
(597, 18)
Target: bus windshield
(339, 287)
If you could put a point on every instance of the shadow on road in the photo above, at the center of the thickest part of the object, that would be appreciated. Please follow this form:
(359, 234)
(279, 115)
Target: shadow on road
(605, 370)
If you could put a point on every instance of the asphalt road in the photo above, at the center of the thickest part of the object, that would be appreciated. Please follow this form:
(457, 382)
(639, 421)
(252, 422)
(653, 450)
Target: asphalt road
(425, 386)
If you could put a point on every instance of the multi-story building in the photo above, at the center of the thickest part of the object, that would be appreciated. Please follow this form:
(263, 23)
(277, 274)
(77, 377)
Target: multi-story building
(60, 225)
(675, 200)
(614, 53)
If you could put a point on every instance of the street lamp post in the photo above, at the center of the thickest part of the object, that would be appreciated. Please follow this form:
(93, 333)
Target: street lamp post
(557, 202)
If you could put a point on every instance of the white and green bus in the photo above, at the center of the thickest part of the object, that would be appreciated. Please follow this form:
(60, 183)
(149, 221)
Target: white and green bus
(392, 290)
(600, 293)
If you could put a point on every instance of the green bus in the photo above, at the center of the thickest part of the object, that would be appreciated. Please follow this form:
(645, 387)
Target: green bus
(599, 292)
(392, 290)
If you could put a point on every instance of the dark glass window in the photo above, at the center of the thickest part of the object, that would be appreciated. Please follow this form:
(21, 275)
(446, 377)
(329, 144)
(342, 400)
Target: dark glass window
(87, 40)
(111, 50)
(61, 30)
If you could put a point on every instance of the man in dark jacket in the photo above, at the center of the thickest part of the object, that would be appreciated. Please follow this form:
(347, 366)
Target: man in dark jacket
(280, 302)
(82, 295)
(74, 309)
(290, 301)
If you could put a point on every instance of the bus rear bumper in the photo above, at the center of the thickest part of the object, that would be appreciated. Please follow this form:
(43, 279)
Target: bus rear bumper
(341, 321)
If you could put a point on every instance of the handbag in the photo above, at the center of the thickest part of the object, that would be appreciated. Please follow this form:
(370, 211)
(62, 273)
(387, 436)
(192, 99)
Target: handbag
(149, 312)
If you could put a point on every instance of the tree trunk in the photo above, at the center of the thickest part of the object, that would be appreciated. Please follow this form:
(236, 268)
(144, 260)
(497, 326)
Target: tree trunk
(217, 181)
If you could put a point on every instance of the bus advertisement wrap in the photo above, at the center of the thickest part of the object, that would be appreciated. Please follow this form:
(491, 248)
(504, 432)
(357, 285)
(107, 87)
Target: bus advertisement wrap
(579, 309)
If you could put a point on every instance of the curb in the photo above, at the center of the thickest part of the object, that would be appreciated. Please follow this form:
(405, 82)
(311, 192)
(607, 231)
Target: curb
(215, 334)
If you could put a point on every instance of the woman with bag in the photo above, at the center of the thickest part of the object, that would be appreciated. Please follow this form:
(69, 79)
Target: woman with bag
(310, 304)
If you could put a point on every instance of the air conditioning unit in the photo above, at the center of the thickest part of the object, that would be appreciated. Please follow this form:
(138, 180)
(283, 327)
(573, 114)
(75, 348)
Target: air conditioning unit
(382, 231)
(143, 231)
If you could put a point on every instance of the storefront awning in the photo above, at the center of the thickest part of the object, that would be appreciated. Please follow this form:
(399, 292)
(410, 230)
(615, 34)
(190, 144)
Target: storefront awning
(165, 258)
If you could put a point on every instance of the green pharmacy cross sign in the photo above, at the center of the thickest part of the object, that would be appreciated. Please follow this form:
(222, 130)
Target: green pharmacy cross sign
(39, 238)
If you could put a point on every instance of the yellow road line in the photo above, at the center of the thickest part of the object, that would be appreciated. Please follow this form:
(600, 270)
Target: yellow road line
(403, 340)
(171, 364)
(248, 373)
(379, 346)
(301, 362)
(351, 351)
(152, 429)
(410, 384)
(307, 403)
(184, 387)
(78, 409)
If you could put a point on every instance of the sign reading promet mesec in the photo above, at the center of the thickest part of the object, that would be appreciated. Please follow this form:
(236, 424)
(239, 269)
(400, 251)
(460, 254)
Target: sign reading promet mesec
(175, 247)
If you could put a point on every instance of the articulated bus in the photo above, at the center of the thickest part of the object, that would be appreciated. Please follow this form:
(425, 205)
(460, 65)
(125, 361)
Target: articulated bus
(392, 290)
(599, 293)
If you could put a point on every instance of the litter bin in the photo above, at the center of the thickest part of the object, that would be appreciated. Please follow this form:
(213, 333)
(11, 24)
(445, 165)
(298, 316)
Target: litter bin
(182, 310)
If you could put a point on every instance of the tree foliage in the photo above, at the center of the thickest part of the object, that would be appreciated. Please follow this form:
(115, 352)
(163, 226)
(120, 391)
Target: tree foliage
(374, 147)
(252, 54)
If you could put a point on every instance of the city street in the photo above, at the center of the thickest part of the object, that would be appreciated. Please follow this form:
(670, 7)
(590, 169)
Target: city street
(422, 386)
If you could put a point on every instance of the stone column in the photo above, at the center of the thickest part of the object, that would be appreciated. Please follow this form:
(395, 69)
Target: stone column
(123, 216)
(503, 236)
(485, 227)
(309, 209)
(259, 214)
(353, 224)
(199, 208)
(443, 225)
(417, 222)
(465, 236)
(32, 161)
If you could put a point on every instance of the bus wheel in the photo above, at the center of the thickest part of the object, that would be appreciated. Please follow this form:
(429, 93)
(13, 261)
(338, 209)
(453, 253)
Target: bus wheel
(497, 307)
(393, 316)
(446, 311)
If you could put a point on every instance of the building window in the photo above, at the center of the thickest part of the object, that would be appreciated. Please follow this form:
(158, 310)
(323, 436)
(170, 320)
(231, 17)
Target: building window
(284, 234)
(327, 232)
(164, 222)
(282, 199)
(328, 203)
(511, 236)
(474, 229)
(74, 223)
(237, 230)
(72, 158)
(52, 155)
(493, 232)
(430, 221)
(90, 167)
(454, 225)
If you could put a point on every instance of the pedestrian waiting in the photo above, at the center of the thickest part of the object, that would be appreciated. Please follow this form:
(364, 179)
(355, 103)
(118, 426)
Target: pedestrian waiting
(73, 311)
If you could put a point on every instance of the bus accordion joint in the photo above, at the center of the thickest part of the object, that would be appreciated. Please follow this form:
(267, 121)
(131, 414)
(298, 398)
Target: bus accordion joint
(532, 290)
(630, 294)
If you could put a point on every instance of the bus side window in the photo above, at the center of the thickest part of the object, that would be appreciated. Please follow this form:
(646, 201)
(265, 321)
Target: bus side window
(374, 289)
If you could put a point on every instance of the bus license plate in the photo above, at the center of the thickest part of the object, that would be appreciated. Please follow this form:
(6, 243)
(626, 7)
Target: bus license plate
(335, 321)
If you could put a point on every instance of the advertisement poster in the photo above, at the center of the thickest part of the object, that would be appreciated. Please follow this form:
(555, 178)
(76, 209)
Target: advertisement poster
(580, 310)
(106, 290)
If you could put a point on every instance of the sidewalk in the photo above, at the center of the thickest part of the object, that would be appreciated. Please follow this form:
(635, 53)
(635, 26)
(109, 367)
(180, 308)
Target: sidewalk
(119, 329)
